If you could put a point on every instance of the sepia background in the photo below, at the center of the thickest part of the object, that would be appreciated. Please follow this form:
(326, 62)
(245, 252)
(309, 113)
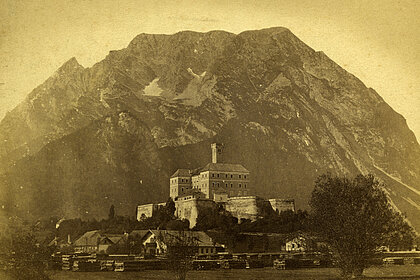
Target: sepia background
(378, 41)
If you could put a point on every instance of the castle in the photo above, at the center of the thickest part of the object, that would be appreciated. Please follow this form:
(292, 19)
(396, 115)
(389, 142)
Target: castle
(217, 183)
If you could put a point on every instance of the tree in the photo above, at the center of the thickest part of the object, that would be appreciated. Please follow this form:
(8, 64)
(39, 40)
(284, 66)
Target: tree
(355, 217)
(216, 218)
(170, 207)
(111, 213)
(21, 256)
(181, 249)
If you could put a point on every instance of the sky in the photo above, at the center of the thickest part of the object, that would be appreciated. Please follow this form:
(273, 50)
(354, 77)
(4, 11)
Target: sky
(378, 40)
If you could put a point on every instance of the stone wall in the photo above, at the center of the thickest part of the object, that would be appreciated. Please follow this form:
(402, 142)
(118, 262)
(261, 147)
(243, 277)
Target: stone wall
(280, 205)
(189, 208)
(145, 210)
(245, 207)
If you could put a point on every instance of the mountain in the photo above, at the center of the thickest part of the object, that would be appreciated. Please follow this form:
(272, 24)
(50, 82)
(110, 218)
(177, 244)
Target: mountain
(113, 134)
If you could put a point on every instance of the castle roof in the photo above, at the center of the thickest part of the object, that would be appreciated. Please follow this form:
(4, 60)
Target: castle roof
(182, 173)
(222, 167)
(225, 167)
(195, 171)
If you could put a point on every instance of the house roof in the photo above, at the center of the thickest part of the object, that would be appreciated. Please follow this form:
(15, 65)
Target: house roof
(225, 167)
(182, 173)
(115, 238)
(195, 171)
(89, 238)
(195, 238)
(95, 237)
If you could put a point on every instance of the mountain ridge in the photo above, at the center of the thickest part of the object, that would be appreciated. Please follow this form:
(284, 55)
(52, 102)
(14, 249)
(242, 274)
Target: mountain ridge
(284, 110)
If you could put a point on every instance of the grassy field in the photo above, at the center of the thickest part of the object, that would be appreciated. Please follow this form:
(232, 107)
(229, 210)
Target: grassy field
(377, 273)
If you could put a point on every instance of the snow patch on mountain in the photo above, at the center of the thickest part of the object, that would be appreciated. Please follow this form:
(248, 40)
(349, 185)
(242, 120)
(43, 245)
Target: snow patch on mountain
(196, 75)
(153, 89)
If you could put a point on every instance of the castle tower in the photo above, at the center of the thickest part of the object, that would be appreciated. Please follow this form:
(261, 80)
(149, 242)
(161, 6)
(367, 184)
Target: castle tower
(216, 153)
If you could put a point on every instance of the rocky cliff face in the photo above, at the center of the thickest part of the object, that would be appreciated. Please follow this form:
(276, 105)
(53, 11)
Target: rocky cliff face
(113, 133)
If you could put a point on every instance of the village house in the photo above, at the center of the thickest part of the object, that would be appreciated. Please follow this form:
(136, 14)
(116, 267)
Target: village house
(96, 242)
(158, 242)
(303, 242)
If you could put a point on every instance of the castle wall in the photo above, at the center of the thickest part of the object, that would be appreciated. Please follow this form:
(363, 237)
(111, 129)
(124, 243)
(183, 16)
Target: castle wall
(244, 207)
(280, 205)
(146, 210)
(189, 208)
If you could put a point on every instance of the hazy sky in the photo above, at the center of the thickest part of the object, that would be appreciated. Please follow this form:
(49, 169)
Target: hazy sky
(378, 41)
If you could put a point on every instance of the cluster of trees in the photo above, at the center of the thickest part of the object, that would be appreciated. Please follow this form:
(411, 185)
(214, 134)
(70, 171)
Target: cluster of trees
(283, 222)
(21, 256)
(271, 222)
(164, 218)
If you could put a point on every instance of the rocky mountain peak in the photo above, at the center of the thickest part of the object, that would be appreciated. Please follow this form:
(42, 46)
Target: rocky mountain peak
(70, 66)
(85, 138)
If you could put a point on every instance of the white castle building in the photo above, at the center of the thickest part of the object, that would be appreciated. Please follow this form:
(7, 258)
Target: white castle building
(216, 183)
(215, 180)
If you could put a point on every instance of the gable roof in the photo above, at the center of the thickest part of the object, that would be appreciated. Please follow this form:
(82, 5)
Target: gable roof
(225, 167)
(89, 238)
(115, 238)
(197, 238)
(95, 237)
(182, 173)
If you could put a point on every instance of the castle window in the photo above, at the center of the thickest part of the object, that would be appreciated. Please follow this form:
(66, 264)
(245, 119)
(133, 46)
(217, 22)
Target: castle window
(212, 175)
(240, 185)
(226, 185)
(218, 175)
(239, 176)
(231, 175)
(212, 184)
(231, 185)
(245, 176)
(245, 186)
(226, 176)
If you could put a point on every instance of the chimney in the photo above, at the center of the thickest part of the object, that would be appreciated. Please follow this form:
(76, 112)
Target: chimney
(216, 153)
